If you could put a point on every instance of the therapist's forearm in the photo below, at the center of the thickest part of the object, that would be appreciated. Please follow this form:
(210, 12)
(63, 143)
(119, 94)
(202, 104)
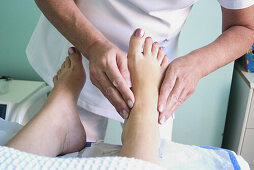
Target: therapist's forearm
(235, 40)
(69, 20)
(230, 45)
(107, 63)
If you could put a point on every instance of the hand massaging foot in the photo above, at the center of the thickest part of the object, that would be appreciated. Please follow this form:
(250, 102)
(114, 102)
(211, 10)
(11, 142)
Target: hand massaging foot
(57, 128)
(147, 66)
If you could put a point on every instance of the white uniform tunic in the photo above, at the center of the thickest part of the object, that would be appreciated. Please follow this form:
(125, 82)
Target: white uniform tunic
(116, 19)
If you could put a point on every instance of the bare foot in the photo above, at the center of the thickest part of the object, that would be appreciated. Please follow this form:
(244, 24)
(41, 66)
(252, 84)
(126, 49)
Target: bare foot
(57, 128)
(147, 67)
(68, 84)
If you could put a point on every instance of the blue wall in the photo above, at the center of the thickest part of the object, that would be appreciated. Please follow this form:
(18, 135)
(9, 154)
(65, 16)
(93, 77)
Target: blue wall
(17, 21)
(200, 120)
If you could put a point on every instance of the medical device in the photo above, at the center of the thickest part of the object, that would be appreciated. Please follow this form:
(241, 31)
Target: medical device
(23, 100)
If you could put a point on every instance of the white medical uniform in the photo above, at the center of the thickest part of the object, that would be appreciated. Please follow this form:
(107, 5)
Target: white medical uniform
(116, 19)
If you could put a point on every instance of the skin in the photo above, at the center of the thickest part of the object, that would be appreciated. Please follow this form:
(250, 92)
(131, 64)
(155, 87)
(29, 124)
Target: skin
(108, 64)
(57, 128)
(141, 131)
(183, 74)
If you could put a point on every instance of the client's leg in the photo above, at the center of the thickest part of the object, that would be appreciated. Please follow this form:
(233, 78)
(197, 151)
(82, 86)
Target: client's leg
(140, 136)
(57, 129)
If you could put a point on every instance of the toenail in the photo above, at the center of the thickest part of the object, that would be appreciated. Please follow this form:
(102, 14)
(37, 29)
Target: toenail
(130, 104)
(70, 50)
(161, 108)
(162, 48)
(162, 120)
(125, 114)
(139, 32)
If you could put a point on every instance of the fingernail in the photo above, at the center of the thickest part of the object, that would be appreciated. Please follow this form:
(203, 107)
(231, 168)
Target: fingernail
(130, 104)
(162, 120)
(161, 108)
(125, 114)
(139, 32)
(71, 50)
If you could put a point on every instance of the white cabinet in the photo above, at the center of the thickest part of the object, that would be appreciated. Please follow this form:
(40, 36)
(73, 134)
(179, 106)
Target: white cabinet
(250, 123)
(247, 150)
(239, 127)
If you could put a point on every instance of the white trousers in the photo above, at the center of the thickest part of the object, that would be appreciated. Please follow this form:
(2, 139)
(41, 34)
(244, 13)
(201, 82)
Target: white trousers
(95, 126)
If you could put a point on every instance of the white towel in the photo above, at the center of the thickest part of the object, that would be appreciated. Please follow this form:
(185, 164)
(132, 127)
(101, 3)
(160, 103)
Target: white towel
(176, 156)
(14, 159)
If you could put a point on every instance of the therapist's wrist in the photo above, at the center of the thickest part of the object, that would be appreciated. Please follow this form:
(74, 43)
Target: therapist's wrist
(96, 46)
(198, 62)
(88, 50)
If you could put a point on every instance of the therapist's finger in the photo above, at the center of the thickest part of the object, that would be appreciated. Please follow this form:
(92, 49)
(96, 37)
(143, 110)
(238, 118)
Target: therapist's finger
(98, 85)
(123, 68)
(183, 96)
(120, 84)
(122, 114)
(166, 88)
(122, 64)
(172, 102)
(110, 92)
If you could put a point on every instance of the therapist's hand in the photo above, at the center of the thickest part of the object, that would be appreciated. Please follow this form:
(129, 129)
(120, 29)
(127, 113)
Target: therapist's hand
(109, 72)
(181, 78)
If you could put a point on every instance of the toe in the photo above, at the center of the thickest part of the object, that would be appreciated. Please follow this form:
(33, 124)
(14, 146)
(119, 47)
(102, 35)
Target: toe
(55, 78)
(155, 49)
(148, 46)
(136, 42)
(63, 65)
(67, 62)
(59, 72)
(165, 62)
(75, 57)
(160, 54)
